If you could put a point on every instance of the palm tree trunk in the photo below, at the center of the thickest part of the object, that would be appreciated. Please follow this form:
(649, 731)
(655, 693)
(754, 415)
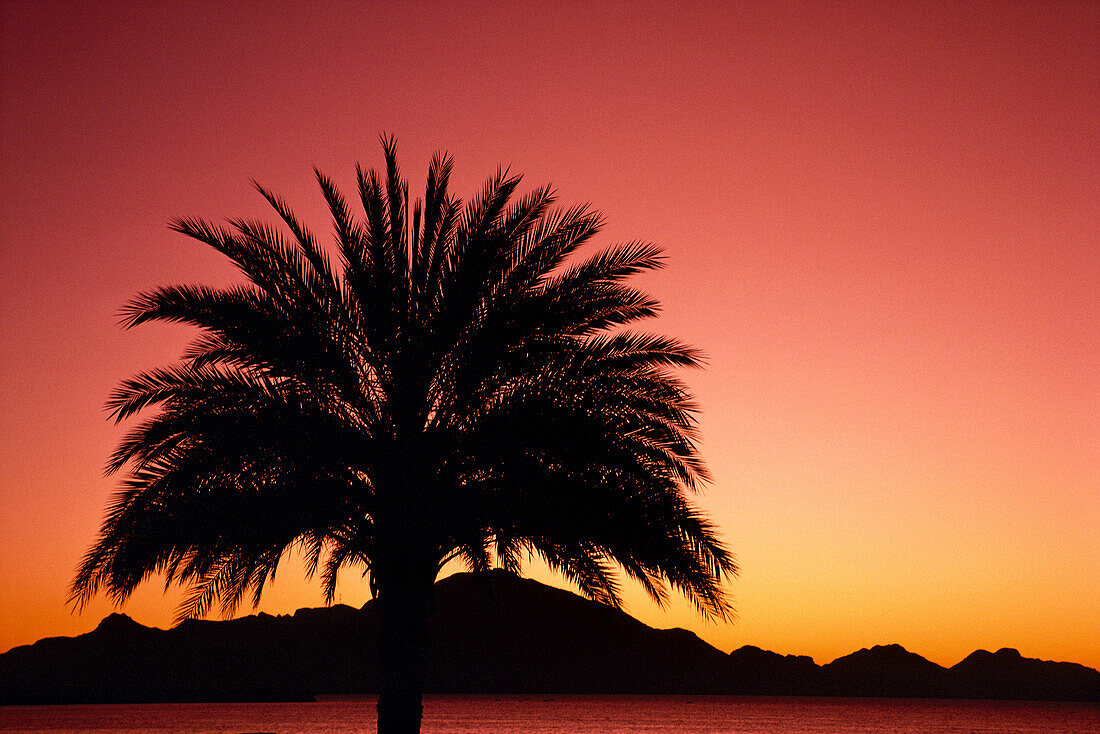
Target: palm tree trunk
(404, 607)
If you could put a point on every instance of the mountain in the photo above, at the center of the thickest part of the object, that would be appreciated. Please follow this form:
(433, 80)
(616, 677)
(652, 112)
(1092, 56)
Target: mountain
(494, 633)
(886, 670)
(1007, 674)
(764, 673)
(500, 633)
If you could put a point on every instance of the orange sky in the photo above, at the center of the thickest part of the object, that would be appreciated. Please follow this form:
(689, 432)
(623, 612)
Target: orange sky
(882, 223)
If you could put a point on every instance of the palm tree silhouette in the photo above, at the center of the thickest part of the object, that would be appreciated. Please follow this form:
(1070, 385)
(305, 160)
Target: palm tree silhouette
(460, 387)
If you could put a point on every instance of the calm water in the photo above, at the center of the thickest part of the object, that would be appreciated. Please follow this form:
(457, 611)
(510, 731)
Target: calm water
(569, 714)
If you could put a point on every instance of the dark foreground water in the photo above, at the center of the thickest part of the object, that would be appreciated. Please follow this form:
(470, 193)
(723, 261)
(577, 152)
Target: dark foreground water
(574, 714)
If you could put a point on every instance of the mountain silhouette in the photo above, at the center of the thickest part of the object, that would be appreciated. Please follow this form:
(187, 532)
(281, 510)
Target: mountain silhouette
(1007, 674)
(493, 633)
(886, 670)
(764, 673)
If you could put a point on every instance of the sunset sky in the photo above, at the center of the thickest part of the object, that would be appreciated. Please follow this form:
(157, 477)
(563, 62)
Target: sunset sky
(881, 222)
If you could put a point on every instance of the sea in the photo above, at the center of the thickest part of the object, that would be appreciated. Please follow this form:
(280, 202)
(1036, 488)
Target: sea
(573, 715)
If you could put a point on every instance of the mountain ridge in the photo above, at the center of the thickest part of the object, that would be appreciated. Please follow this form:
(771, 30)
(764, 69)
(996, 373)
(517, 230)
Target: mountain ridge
(493, 633)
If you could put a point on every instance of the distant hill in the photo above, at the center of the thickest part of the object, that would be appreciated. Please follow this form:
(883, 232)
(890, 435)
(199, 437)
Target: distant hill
(495, 633)
(887, 670)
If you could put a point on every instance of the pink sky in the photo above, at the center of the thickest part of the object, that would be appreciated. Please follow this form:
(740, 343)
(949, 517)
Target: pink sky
(882, 223)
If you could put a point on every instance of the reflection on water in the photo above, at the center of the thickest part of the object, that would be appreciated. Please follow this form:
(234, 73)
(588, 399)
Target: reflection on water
(574, 714)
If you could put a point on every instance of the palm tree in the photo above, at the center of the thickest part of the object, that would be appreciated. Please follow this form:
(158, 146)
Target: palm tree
(459, 387)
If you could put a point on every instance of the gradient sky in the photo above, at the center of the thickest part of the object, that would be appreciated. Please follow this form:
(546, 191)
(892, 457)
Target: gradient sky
(882, 223)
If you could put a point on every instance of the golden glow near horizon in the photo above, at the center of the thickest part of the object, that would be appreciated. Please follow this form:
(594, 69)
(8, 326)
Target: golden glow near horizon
(881, 224)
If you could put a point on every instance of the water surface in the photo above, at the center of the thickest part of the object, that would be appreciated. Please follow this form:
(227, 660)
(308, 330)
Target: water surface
(574, 714)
